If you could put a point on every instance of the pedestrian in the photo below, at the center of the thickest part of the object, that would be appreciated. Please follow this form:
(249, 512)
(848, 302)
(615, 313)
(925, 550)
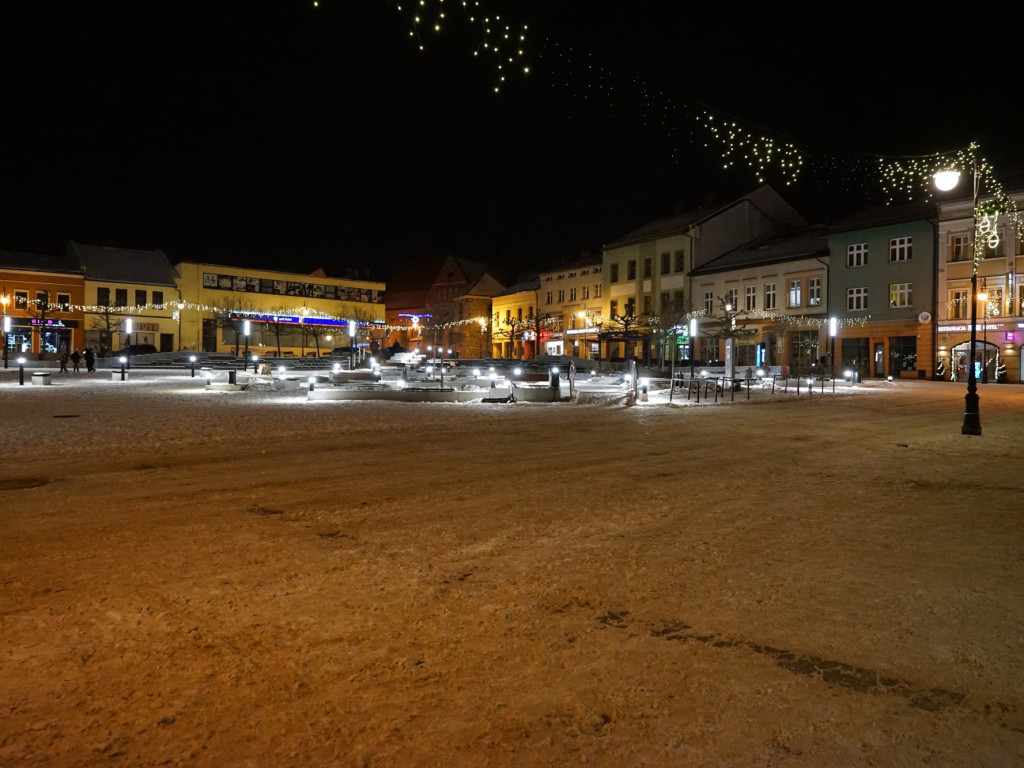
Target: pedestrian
(90, 360)
(63, 362)
(75, 357)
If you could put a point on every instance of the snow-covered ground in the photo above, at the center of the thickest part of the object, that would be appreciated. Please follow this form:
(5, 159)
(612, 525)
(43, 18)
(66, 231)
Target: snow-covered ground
(250, 578)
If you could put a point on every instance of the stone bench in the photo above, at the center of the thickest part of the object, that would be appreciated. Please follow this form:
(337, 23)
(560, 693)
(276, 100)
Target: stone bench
(42, 378)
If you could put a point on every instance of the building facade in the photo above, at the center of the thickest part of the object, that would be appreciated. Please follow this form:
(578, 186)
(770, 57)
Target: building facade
(882, 289)
(1000, 310)
(42, 300)
(285, 313)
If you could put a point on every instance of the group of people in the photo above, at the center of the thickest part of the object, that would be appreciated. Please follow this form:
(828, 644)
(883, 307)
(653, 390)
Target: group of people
(89, 357)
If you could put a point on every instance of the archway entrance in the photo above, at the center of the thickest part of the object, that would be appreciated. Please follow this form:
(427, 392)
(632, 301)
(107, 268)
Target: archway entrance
(985, 354)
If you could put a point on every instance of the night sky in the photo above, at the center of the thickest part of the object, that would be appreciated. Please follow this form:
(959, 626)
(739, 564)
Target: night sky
(282, 135)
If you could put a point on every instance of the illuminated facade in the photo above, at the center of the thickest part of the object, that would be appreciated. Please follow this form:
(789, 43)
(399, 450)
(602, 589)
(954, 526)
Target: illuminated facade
(41, 299)
(130, 298)
(288, 314)
(1000, 328)
(882, 288)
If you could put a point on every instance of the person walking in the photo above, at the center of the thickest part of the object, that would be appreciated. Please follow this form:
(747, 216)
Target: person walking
(75, 357)
(90, 360)
(63, 361)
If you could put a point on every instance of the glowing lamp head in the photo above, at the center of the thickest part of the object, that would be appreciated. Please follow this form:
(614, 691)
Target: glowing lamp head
(191, 358)
(123, 360)
(946, 180)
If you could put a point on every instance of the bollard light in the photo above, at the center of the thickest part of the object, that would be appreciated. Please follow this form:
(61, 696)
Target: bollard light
(255, 359)
(124, 362)
(312, 383)
(494, 377)
(192, 364)
(21, 370)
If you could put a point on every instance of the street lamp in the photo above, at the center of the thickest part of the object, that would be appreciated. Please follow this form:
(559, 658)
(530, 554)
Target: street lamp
(5, 300)
(127, 345)
(983, 298)
(833, 329)
(246, 329)
(693, 336)
(945, 181)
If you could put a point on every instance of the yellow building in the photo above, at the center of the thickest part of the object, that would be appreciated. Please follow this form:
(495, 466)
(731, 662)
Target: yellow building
(130, 298)
(285, 313)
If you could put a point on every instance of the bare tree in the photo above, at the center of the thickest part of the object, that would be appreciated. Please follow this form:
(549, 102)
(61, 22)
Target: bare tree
(626, 328)
(40, 310)
(510, 329)
(226, 315)
(668, 325)
(108, 321)
(538, 324)
(277, 327)
(729, 324)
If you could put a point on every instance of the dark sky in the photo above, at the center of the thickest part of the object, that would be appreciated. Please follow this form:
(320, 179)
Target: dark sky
(279, 134)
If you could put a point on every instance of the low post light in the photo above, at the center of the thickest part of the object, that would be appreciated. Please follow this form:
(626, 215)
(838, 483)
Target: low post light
(192, 364)
(21, 371)
(124, 363)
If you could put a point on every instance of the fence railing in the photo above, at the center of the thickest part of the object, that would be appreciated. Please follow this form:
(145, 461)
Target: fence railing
(717, 386)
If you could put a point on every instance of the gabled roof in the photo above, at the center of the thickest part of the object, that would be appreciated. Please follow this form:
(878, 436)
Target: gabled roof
(809, 244)
(883, 215)
(38, 262)
(764, 199)
(532, 284)
(123, 265)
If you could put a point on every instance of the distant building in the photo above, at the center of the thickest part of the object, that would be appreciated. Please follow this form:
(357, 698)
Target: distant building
(442, 305)
(294, 314)
(126, 284)
(42, 300)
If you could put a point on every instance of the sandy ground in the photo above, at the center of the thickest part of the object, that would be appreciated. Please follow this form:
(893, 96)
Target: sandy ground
(242, 579)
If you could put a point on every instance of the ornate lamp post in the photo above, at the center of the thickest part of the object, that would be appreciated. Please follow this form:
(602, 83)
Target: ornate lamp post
(947, 180)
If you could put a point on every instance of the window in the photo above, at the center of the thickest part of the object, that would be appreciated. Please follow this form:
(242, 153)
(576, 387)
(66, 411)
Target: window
(614, 274)
(647, 268)
(678, 256)
(631, 269)
(666, 263)
(814, 291)
(597, 290)
(664, 301)
(548, 296)
(958, 304)
(856, 298)
(994, 306)
(140, 298)
(630, 306)
(795, 288)
(572, 294)
(613, 308)
(519, 314)
(561, 295)
(769, 296)
(64, 302)
(901, 248)
(709, 302)
(21, 298)
(103, 297)
(158, 297)
(121, 297)
(678, 300)
(647, 304)
(751, 297)
(43, 299)
(960, 247)
(585, 292)
(508, 315)
(857, 255)
(901, 294)
(732, 298)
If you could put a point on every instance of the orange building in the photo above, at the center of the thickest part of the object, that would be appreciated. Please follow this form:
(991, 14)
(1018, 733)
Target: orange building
(42, 299)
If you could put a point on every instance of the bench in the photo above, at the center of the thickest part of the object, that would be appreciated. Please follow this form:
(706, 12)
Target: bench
(41, 378)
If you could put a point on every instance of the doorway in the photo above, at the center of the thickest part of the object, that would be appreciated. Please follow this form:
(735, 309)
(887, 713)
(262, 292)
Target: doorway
(879, 368)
